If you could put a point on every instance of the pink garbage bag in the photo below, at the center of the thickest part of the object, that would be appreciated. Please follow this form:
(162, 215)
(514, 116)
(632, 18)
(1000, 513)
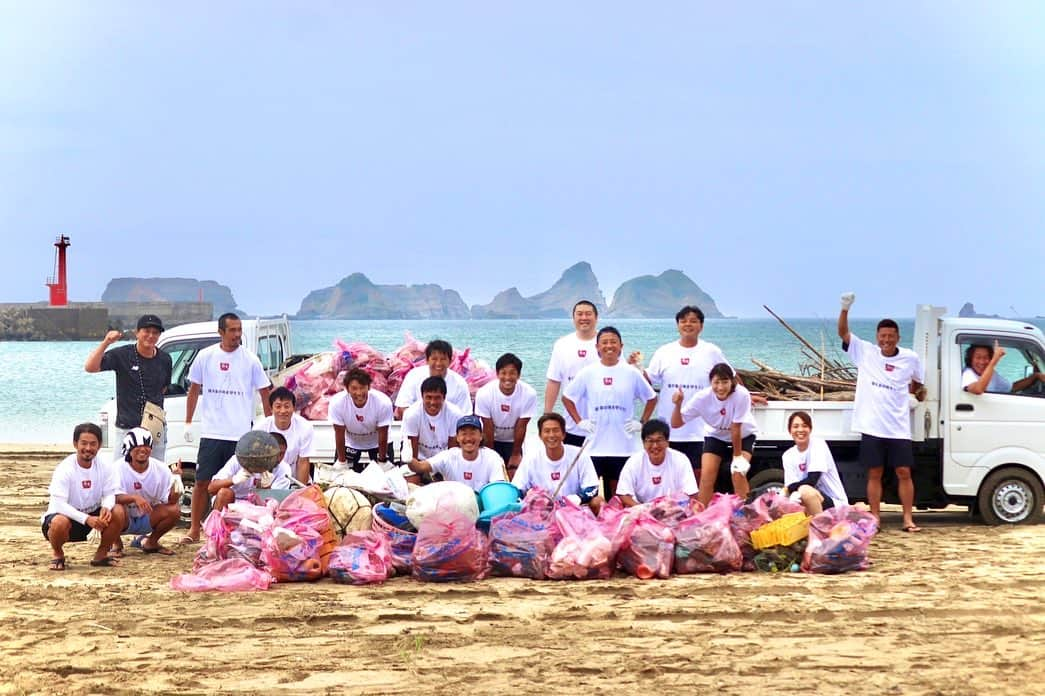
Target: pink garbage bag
(521, 543)
(229, 575)
(449, 548)
(839, 539)
(704, 542)
(648, 548)
(362, 558)
(215, 540)
(584, 552)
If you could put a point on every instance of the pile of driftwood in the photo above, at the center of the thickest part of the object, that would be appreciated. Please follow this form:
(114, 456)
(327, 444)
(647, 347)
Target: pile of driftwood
(821, 378)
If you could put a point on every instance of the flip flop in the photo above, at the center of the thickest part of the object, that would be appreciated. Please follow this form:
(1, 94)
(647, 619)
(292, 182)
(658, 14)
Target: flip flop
(912, 528)
(58, 563)
(136, 542)
(188, 540)
(116, 553)
(107, 562)
(162, 550)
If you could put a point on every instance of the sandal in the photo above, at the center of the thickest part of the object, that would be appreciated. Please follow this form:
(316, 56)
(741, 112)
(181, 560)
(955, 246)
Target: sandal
(911, 528)
(188, 540)
(58, 563)
(107, 562)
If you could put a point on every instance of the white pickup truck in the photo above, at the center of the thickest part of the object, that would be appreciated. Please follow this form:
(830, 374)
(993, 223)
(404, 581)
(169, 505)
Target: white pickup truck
(985, 451)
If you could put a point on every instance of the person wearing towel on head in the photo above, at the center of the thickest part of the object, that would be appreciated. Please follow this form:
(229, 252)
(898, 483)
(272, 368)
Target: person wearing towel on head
(548, 466)
(145, 489)
(469, 462)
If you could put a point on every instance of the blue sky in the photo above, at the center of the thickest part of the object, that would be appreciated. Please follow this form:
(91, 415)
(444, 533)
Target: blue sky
(776, 152)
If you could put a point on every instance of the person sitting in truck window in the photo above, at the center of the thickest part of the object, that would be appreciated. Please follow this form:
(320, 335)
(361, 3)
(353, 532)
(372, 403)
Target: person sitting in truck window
(431, 423)
(886, 374)
(729, 428)
(469, 462)
(506, 405)
(438, 354)
(361, 417)
(810, 475)
(234, 482)
(297, 431)
(980, 375)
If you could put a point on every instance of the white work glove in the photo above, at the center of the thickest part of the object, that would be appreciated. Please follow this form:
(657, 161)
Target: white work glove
(241, 476)
(586, 425)
(574, 498)
(340, 466)
(848, 298)
(266, 479)
(386, 465)
(739, 466)
(795, 497)
(632, 426)
(187, 434)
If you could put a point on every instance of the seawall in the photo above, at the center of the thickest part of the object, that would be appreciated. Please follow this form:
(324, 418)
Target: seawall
(87, 321)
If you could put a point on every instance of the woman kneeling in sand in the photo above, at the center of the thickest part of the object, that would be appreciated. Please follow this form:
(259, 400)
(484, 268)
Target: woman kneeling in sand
(810, 474)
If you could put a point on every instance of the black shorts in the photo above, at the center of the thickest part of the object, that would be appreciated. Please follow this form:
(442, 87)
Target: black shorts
(877, 452)
(575, 440)
(212, 455)
(354, 456)
(827, 503)
(724, 450)
(609, 468)
(504, 449)
(692, 450)
(77, 531)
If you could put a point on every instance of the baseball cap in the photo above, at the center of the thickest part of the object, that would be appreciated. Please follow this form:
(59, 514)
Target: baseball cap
(148, 320)
(469, 421)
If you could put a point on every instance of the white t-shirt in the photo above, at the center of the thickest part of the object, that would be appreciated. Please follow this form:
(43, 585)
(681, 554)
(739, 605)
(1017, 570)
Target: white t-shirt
(537, 469)
(720, 415)
(817, 457)
(997, 383)
(882, 384)
(570, 354)
(232, 467)
(361, 424)
(611, 393)
(452, 466)
(229, 381)
(154, 484)
(433, 433)
(643, 480)
(505, 410)
(299, 437)
(675, 367)
(75, 491)
(456, 389)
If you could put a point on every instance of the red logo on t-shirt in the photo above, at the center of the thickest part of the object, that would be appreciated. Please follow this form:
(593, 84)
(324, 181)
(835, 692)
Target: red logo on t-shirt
(505, 408)
(359, 418)
(137, 485)
(468, 476)
(224, 367)
(802, 466)
(581, 353)
(656, 480)
(556, 475)
(889, 367)
(684, 361)
(608, 381)
(85, 484)
(722, 412)
(431, 427)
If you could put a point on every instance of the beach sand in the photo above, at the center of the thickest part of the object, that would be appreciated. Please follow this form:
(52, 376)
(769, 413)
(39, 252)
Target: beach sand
(956, 609)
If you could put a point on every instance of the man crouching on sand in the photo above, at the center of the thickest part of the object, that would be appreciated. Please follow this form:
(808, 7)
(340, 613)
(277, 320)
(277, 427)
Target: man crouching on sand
(82, 498)
(144, 487)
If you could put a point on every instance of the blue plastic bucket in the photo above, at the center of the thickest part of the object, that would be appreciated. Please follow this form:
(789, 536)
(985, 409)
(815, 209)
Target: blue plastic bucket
(498, 494)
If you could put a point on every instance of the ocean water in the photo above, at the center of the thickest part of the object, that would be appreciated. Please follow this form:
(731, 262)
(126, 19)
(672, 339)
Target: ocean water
(44, 390)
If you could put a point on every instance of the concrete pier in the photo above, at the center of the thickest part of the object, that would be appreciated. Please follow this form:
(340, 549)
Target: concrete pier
(89, 321)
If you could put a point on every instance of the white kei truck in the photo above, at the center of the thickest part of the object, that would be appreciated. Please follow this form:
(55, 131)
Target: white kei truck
(983, 451)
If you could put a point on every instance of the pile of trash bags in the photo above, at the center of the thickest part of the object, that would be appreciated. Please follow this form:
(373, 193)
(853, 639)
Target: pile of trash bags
(316, 380)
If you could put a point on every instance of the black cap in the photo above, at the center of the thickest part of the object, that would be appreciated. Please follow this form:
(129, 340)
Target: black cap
(148, 320)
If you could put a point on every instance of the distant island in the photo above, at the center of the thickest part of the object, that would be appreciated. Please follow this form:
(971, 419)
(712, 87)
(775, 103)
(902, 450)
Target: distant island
(357, 297)
(969, 311)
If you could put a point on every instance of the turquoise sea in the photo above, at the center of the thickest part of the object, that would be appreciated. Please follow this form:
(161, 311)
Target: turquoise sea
(44, 391)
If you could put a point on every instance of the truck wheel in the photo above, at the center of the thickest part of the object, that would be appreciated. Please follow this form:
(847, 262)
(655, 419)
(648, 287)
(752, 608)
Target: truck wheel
(766, 480)
(1011, 496)
(188, 479)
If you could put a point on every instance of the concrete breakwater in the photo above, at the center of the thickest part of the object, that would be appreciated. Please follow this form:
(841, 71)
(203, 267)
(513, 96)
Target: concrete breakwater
(82, 321)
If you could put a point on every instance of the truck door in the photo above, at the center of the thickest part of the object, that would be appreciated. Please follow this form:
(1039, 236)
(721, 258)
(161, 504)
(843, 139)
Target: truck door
(1008, 415)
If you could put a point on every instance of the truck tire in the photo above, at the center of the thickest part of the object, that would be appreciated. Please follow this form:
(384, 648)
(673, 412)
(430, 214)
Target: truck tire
(766, 480)
(1011, 496)
(188, 479)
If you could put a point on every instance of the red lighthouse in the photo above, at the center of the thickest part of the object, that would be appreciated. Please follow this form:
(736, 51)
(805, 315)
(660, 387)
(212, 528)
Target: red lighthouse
(59, 289)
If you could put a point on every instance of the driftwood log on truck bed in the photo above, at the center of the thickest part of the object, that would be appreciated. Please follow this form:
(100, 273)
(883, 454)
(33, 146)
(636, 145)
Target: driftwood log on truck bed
(780, 386)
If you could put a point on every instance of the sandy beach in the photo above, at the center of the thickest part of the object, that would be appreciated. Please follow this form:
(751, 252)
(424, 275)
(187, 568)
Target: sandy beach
(956, 609)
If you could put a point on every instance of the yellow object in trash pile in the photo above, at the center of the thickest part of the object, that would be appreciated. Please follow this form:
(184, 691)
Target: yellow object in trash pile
(785, 531)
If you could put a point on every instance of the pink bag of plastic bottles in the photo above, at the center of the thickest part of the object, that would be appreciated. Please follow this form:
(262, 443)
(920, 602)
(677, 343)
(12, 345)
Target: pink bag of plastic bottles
(838, 542)
(449, 548)
(362, 558)
(585, 552)
(292, 555)
(673, 508)
(521, 543)
(704, 542)
(744, 521)
(230, 575)
(215, 540)
(648, 548)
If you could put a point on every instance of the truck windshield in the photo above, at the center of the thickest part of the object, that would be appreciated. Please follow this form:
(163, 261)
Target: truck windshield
(182, 353)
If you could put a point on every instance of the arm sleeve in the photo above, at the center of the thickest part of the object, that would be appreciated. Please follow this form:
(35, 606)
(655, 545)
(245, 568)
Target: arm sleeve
(588, 477)
(482, 403)
(528, 406)
(811, 479)
(109, 361)
(61, 505)
(643, 389)
(384, 415)
(689, 481)
(494, 464)
(308, 447)
(196, 368)
(655, 371)
(969, 376)
(407, 396)
(410, 423)
(554, 366)
(626, 483)
(575, 389)
(692, 407)
(919, 370)
(742, 404)
(337, 403)
(258, 376)
(439, 461)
